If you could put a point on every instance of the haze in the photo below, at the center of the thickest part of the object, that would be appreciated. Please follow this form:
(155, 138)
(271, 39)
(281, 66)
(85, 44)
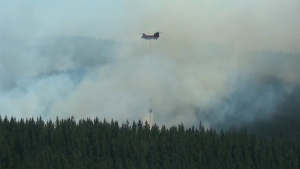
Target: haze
(214, 59)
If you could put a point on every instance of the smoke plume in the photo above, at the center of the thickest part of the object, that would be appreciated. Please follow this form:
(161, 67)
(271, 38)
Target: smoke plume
(227, 64)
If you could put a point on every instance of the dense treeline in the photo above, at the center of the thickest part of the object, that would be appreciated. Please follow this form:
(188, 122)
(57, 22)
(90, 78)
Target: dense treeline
(65, 143)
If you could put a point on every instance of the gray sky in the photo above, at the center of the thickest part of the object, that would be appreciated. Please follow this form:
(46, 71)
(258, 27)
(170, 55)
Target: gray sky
(266, 24)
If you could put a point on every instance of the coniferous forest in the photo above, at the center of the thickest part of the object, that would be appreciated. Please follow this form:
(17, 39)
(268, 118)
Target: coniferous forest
(93, 143)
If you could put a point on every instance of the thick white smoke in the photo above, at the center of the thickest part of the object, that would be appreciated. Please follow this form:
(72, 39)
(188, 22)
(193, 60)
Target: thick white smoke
(222, 63)
(88, 77)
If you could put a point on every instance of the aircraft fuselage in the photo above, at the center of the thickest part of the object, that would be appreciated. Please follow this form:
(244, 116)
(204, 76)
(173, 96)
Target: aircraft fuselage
(149, 37)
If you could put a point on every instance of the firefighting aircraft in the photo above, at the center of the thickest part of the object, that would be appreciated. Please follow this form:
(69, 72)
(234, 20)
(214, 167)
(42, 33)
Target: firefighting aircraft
(149, 37)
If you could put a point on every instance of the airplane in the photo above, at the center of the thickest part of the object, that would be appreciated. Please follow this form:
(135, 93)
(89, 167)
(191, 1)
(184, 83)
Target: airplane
(149, 37)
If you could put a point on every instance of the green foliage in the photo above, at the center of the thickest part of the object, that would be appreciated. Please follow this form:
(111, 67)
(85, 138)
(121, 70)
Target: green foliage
(89, 143)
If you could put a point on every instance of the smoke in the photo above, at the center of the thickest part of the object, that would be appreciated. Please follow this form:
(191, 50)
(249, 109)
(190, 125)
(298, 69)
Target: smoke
(226, 64)
(88, 77)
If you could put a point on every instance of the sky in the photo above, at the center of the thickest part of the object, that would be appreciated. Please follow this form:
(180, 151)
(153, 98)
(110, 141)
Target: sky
(263, 24)
(215, 60)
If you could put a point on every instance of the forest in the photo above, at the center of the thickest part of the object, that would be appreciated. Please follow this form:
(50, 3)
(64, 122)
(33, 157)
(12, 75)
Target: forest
(93, 143)
(221, 84)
